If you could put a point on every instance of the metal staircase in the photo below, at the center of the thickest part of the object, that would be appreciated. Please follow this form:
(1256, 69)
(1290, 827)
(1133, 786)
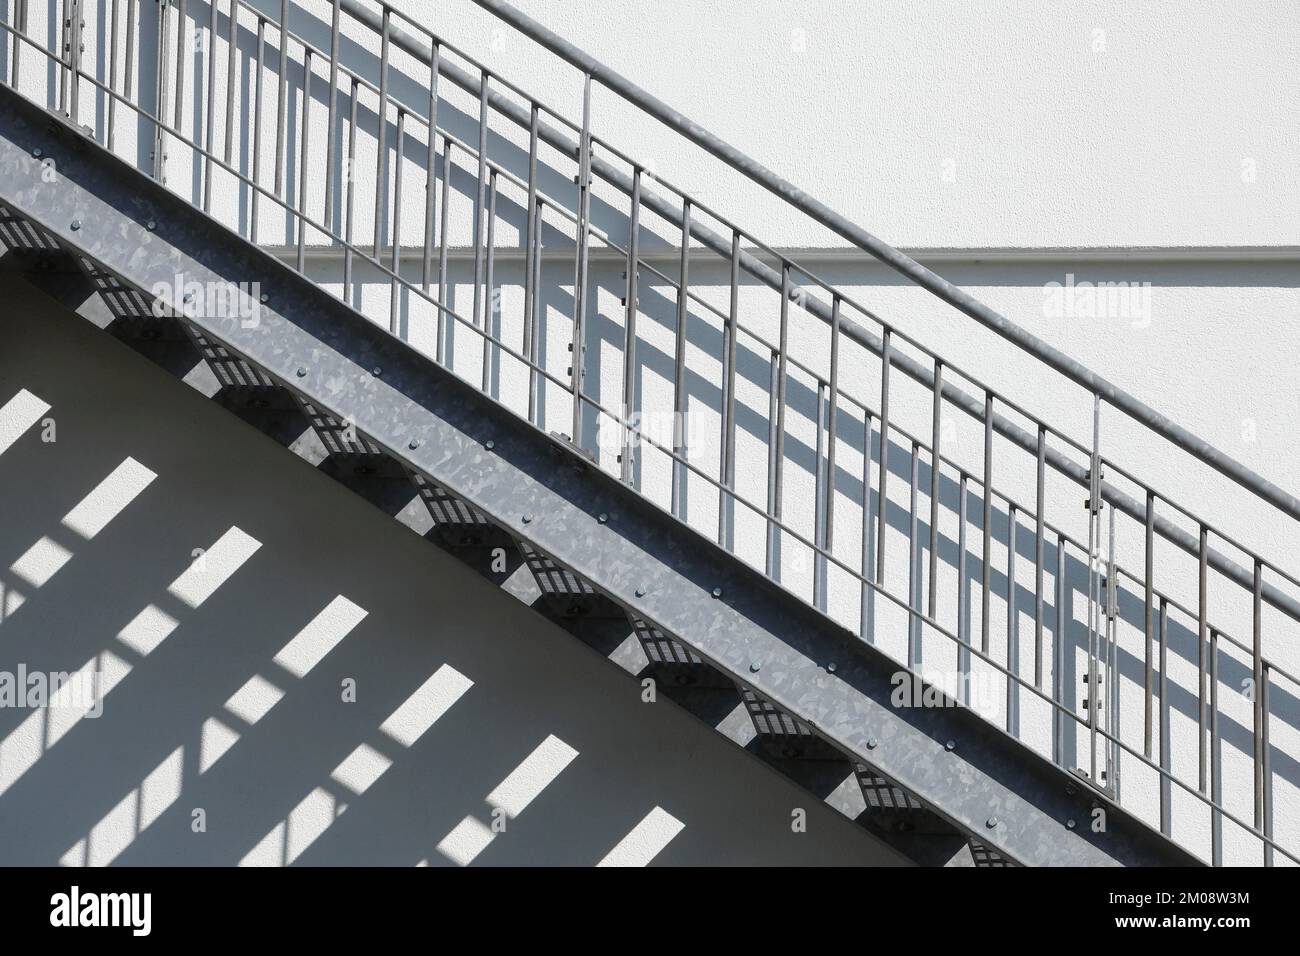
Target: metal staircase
(258, 268)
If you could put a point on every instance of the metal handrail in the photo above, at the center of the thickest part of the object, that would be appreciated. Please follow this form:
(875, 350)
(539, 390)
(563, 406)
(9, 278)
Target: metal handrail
(972, 406)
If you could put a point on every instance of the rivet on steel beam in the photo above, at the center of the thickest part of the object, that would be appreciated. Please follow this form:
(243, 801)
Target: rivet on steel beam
(264, 297)
(602, 517)
(754, 666)
(873, 743)
(151, 225)
(1069, 824)
(950, 745)
(376, 371)
(489, 444)
(640, 591)
(832, 667)
(991, 822)
(76, 224)
(717, 592)
(37, 152)
(413, 444)
(302, 372)
(528, 519)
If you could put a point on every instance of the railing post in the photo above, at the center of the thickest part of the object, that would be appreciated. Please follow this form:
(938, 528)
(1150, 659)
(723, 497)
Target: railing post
(73, 25)
(160, 89)
(1257, 698)
(935, 469)
(865, 620)
(331, 135)
(826, 525)
(987, 529)
(628, 456)
(680, 403)
(480, 196)
(1094, 544)
(431, 178)
(1202, 639)
(727, 465)
(381, 135)
(579, 346)
(209, 107)
(1166, 785)
(882, 505)
(532, 255)
(1150, 621)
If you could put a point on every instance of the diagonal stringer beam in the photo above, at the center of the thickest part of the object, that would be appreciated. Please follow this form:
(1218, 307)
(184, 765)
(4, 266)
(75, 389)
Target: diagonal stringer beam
(971, 773)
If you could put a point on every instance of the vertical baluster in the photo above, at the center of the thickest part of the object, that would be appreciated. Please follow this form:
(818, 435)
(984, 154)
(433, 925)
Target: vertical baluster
(1166, 784)
(935, 471)
(1257, 669)
(727, 469)
(349, 191)
(232, 66)
(480, 194)
(1112, 664)
(160, 87)
(1013, 628)
(679, 364)
(489, 297)
(281, 114)
(1094, 533)
(255, 193)
(530, 268)
(127, 83)
(178, 106)
(865, 628)
(1040, 506)
(110, 103)
(395, 286)
(381, 134)
(778, 460)
(1149, 621)
(819, 501)
(1268, 773)
(832, 417)
(963, 593)
(1201, 639)
(444, 323)
(987, 530)
(210, 106)
(20, 30)
(913, 585)
(535, 320)
(627, 463)
(1058, 655)
(73, 12)
(774, 375)
(331, 135)
(882, 507)
(430, 172)
(1216, 755)
(580, 279)
(305, 158)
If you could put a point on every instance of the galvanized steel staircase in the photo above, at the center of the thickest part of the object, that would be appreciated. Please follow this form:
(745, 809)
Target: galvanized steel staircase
(395, 421)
